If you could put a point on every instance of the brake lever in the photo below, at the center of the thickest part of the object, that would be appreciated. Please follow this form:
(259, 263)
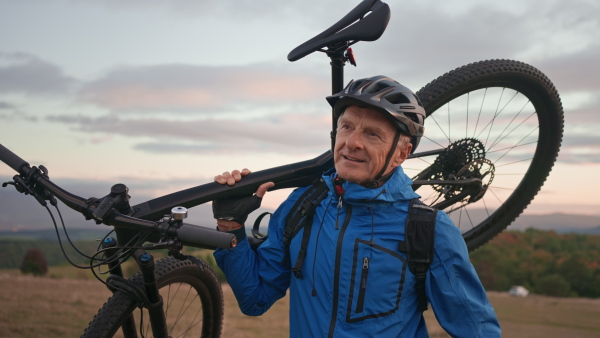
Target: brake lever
(40, 194)
(17, 186)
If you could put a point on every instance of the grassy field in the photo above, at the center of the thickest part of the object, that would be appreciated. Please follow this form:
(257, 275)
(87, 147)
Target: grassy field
(62, 307)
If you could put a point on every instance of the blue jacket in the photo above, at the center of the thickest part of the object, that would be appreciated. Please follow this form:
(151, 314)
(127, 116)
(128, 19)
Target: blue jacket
(355, 281)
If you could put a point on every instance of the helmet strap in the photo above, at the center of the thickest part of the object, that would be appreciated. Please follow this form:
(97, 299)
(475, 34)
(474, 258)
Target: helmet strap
(380, 179)
(332, 135)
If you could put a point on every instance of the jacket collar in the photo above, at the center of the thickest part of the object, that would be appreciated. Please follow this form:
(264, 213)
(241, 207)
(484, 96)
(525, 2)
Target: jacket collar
(397, 188)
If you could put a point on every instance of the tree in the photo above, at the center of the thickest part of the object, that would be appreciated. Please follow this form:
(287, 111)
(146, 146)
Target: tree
(554, 285)
(35, 263)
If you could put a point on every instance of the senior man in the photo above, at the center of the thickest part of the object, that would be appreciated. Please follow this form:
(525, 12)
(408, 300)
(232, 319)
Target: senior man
(354, 280)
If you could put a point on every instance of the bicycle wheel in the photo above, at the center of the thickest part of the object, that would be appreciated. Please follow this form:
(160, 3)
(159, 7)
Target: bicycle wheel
(499, 121)
(192, 298)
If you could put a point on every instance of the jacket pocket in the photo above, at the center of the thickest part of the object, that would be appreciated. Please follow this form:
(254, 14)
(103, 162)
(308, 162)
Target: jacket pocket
(377, 281)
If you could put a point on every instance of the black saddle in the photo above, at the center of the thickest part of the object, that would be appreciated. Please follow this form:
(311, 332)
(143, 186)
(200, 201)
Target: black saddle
(355, 26)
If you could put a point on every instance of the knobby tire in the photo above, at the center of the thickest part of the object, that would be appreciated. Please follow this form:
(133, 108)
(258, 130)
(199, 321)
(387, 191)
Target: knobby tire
(520, 97)
(185, 287)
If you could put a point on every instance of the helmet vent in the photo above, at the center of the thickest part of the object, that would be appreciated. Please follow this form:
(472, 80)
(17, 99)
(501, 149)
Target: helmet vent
(378, 86)
(358, 84)
(397, 98)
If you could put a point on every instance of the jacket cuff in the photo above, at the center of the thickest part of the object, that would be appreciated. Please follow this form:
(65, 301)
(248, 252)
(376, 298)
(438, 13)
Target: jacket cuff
(239, 233)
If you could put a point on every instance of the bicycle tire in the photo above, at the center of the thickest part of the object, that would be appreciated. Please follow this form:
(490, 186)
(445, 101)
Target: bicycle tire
(452, 96)
(172, 275)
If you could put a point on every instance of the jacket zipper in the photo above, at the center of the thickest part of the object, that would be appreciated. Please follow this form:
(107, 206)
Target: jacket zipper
(336, 275)
(363, 285)
(337, 219)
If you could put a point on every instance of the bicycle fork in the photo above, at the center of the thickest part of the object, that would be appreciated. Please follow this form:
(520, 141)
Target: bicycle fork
(155, 307)
(153, 302)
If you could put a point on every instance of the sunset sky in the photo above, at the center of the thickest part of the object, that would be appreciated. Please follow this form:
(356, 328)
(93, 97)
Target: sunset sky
(163, 95)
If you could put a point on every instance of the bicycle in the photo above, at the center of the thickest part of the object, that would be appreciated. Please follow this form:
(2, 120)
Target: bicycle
(511, 122)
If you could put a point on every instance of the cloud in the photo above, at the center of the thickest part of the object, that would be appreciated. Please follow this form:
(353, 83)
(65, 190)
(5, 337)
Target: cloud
(25, 73)
(193, 88)
(249, 11)
(290, 133)
(575, 72)
(424, 40)
(6, 106)
(10, 112)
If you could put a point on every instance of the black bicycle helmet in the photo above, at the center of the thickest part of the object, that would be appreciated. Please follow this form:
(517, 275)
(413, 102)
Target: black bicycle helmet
(387, 96)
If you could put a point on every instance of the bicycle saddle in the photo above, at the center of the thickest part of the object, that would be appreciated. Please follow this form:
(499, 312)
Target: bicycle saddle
(367, 28)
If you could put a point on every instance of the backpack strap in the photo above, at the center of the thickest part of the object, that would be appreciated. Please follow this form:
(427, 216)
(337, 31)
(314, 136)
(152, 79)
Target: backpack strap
(301, 216)
(418, 245)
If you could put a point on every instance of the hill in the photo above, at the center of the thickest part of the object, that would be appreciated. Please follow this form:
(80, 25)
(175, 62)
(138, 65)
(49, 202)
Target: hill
(561, 223)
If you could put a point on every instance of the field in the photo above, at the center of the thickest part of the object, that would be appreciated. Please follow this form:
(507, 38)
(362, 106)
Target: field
(62, 307)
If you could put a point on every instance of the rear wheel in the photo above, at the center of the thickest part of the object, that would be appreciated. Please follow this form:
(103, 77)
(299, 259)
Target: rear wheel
(192, 300)
(501, 124)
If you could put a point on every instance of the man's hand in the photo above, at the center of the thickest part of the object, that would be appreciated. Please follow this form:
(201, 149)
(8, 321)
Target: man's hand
(232, 213)
(231, 177)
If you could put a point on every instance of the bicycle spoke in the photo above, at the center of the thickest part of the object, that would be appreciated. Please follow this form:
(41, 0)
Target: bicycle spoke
(516, 144)
(499, 119)
(512, 147)
(494, 118)
(178, 316)
(440, 128)
(480, 111)
(191, 301)
(498, 139)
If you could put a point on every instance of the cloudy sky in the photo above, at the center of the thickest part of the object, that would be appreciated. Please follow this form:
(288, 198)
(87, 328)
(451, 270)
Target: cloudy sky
(163, 95)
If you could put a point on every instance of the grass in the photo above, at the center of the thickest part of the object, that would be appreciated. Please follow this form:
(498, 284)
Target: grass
(62, 307)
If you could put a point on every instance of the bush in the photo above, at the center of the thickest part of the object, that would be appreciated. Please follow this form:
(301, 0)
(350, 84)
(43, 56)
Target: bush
(554, 285)
(34, 263)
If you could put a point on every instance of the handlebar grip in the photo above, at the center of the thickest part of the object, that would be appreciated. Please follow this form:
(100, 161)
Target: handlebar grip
(199, 236)
(11, 159)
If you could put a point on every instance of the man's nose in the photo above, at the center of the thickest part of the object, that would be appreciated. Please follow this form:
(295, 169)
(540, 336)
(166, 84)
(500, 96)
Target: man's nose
(355, 140)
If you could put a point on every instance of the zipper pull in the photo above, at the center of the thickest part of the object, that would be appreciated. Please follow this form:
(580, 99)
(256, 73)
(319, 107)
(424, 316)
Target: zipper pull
(363, 285)
(337, 218)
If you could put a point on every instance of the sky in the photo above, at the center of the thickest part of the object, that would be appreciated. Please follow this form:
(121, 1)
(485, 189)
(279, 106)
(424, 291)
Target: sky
(164, 95)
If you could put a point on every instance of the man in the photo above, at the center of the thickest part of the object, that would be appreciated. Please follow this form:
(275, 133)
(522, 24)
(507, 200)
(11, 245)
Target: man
(354, 281)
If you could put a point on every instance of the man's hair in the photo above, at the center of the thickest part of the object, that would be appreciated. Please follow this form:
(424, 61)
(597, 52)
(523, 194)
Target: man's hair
(404, 141)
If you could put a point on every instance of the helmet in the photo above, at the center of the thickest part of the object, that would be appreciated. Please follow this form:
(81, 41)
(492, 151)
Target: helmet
(386, 96)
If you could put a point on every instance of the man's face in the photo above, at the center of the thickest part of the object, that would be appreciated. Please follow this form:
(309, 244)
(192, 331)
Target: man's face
(363, 140)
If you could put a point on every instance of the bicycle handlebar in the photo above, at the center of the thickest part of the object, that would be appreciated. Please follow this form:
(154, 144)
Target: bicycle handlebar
(188, 234)
(11, 159)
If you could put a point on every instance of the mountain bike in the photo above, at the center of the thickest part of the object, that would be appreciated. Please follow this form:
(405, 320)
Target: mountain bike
(493, 132)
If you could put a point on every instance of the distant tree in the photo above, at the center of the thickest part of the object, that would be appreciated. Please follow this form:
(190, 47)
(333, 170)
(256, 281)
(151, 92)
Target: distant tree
(554, 285)
(34, 263)
(578, 270)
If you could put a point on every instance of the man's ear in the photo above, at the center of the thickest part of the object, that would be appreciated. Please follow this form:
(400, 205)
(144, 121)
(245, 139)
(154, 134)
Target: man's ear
(401, 155)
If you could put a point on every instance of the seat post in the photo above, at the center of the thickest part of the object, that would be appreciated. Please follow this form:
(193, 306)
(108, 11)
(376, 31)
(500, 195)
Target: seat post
(338, 60)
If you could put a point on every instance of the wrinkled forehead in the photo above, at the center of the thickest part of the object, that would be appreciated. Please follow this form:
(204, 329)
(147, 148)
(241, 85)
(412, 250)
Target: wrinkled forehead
(367, 117)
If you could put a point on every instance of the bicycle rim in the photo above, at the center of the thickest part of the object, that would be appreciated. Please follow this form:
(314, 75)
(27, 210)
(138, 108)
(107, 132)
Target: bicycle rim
(502, 122)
